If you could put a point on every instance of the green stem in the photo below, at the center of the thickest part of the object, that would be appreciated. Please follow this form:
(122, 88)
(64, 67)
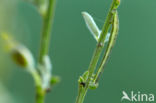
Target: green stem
(81, 95)
(47, 24)
(98, 50)
(44, 46)
(40, 94)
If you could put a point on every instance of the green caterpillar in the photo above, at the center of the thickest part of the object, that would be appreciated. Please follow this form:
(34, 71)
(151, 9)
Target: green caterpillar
(111, 42)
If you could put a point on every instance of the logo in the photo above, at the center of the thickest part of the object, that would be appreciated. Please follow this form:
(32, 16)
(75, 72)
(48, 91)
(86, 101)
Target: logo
(137, 97)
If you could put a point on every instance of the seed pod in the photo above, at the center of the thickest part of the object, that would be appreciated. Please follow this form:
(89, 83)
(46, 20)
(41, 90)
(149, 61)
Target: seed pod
(22, 56)
(93, 28)
(91, 25)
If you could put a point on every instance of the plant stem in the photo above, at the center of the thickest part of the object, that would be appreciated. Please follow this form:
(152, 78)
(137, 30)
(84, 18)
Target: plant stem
(47, 24)
(81, 95)
(98, 50)
(40, 95)
(44, 46)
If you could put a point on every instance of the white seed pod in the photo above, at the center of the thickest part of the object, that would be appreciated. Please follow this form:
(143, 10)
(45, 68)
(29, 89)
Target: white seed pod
(22, 56)
(91, 25)
(93, 28)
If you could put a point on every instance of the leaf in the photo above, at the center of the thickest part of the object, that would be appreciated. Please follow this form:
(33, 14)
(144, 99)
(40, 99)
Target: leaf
(85, 75)
(55, 80)
(81, 79)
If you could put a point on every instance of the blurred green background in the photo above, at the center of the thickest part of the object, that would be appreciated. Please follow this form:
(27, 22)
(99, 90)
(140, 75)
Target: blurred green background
(131, 66)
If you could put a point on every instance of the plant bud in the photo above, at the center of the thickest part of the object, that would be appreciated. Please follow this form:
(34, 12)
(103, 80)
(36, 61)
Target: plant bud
(117, 3)
(55, 80)
(81, 79)
(85, 75)
(42, 7)
(93, 85)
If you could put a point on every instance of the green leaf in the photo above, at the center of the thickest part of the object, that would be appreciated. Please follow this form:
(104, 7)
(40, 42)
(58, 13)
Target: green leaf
(81, 79)
(85, 75)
